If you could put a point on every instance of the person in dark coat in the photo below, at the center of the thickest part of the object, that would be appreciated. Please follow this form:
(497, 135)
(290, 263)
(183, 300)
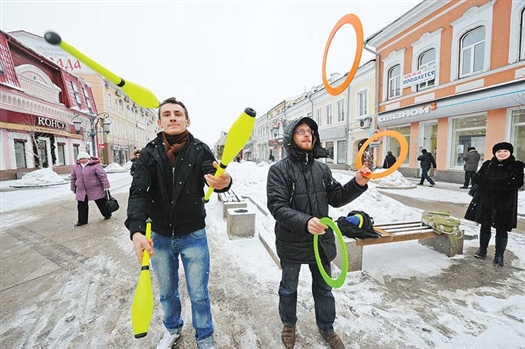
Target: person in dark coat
(471, 165)
(427, 160)
(499, 179)
(390, 160)
(167, 187)
(299, 190)
(136, 154)
(89, 182)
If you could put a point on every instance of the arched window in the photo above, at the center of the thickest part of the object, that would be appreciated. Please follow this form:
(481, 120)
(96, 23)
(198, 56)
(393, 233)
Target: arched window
(522, 35)
(426, 60)
(472, 52)
(394, 82)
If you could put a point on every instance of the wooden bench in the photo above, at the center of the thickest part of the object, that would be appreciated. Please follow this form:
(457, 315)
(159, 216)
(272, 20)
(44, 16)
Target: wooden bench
(397, 232)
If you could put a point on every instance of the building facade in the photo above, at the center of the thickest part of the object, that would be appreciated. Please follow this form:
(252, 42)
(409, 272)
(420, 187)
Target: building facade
(39, 102)
(451, 76)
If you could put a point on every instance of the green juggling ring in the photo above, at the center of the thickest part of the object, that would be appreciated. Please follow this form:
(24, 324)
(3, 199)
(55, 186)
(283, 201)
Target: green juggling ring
(335, 283)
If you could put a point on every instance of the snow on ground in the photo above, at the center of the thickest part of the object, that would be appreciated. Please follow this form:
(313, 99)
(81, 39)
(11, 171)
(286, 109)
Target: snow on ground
(408, 295)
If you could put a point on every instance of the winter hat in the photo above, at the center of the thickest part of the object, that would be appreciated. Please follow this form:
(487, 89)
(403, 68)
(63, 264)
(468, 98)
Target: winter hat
(83, 155)
(502, 145)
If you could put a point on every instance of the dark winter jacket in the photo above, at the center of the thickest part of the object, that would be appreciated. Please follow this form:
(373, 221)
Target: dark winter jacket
(171, 196)
(300, 188)
(471, 161)
(132, 169)
(498, 194)
(426, 161)
(389, 161)
(90, 180)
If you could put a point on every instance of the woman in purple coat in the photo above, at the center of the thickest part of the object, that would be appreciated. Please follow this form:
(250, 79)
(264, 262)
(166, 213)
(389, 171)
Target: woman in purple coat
(89, 182)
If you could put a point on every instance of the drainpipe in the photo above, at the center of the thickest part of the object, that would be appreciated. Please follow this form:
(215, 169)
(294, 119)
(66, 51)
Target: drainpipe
(349, 138)
(312, 102)
(378, 75)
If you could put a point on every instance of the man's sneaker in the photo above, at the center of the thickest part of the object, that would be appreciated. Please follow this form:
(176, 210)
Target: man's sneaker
(463, 187)
(432, 185)
(288, 337)
(168, 340)
(333, 340)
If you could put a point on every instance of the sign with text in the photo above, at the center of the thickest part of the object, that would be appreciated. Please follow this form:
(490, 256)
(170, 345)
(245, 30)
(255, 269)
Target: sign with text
(419, 76)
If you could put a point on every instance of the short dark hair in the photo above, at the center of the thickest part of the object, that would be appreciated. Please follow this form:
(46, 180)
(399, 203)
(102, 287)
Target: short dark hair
(424, 151)
(471, 148)
(173, 100)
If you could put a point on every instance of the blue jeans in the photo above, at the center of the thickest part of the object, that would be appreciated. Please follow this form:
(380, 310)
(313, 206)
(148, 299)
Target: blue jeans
(424, 175)
(195, 256)
(324, 301)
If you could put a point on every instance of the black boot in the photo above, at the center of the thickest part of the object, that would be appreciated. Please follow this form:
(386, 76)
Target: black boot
(484, 238)
(501, 245)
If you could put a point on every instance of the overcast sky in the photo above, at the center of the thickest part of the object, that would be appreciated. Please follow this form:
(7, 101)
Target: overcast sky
(217, 57)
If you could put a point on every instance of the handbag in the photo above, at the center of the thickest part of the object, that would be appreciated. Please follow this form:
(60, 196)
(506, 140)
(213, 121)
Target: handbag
(111, 203)
(473, 190)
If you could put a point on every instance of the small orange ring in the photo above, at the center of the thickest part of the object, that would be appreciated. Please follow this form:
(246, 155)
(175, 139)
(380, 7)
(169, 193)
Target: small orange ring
(354, 21)
(402, 156)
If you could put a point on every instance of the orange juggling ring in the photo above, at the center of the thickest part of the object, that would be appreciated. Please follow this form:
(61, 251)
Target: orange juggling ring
(355, 22)
(402, 155)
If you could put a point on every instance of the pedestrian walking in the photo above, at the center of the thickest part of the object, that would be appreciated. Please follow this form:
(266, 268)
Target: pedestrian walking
(427, 160)
(390, 160)
(499, 180)
(299, 190)
(136, 154)
(89, 182)
(471, 165)
(167, 187)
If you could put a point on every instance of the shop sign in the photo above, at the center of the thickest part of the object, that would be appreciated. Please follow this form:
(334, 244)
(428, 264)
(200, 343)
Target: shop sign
(407, 113)
(419, 76)
(43, 121)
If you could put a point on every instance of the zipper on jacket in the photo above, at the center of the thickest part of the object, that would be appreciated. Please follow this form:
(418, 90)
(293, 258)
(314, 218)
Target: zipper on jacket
(172, 201)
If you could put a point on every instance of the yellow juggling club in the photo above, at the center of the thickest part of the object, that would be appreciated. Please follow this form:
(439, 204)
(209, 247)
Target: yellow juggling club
(142, 306)
(236, 139)
(137, 93)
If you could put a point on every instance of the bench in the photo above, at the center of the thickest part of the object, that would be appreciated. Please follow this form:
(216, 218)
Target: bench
(230, 199)
(449, 244)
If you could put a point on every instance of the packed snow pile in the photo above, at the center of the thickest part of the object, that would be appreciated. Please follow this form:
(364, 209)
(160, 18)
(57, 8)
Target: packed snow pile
(114, 167)
(39, 178)
(127, 165)
(396, 180)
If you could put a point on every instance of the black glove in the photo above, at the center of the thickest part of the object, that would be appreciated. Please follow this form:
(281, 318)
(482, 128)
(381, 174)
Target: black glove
(363, 230)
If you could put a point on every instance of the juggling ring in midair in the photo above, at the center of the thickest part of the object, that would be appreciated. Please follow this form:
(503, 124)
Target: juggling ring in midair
(355, 22)
(400, 159)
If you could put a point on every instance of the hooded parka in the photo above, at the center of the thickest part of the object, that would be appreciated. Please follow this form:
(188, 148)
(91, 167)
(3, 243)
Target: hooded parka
(300, 188)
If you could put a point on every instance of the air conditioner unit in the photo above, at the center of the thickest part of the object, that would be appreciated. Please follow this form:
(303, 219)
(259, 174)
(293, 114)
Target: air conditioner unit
(365, 123)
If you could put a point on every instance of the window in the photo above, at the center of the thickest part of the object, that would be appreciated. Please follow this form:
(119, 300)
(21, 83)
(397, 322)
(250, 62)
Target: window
(341, 152)
(1, 69)
(319, 117)
(522, 35)
(329, 117)
(110, 99)
(330, 148)
(61, 154)
(472, 52)
(426, 60)
(467, 132)
(362, 103)
(20, 153)
(76, 150)
(394, 82)
(341, 110)
(75, 92)
(393, 144)
(88, 100)
(517, 135)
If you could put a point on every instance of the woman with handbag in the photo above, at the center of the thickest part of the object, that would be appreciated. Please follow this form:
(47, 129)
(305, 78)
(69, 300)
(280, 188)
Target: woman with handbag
(496, 199)
(89, 182)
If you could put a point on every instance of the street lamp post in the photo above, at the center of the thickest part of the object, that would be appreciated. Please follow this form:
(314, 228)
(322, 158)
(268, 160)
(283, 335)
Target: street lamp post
(93, 121)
